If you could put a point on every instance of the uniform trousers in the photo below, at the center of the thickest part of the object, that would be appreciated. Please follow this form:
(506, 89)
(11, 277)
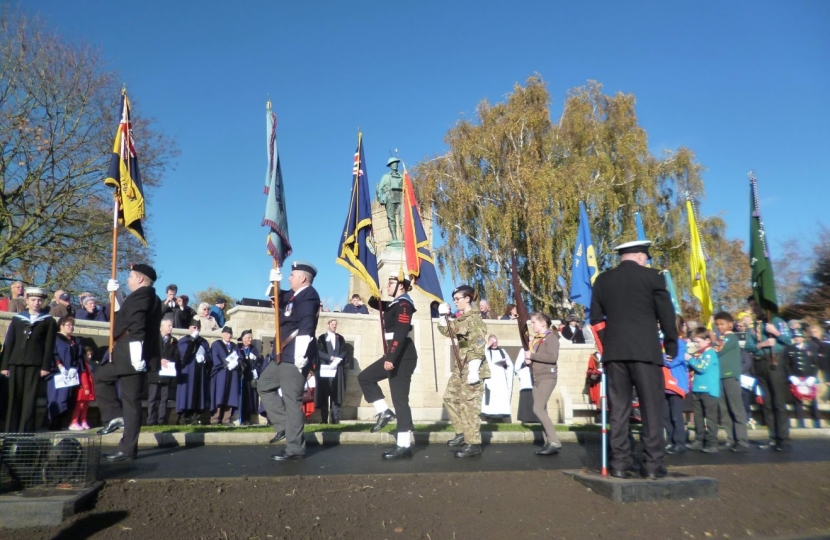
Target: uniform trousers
(776, 392)
(20, 416)
(326, 388)
(128, 407)
(706, 419)
(732, 412)
(542, 390)
(463, 403)
(675, 426)
(400, 379)
(813, 407)
(285, 412)
(648, 379)
(157, 394)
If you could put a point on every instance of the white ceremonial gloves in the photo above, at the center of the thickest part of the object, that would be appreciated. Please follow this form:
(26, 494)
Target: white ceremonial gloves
(443, 309)
(135, 356)
(811, 381)
(113, 285)
(275, 275)
(794, 380)
(62, 369)
(72, 373)
(472, 375)
(200, 355)
(300, 348)
(335, 361)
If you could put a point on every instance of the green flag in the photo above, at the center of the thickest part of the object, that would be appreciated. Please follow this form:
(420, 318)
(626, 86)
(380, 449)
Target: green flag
(763, 283)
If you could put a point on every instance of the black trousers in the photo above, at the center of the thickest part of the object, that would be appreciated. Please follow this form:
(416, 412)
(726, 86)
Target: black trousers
(813, 408)
(128, 408)
(776, 391)
(706, 419)
(20, 416)
(157, 394)
(673, 418)
(326, 389)
(400, 380)
(648, 380)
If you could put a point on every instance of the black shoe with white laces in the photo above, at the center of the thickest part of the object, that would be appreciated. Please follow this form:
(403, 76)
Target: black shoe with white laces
(382, 419)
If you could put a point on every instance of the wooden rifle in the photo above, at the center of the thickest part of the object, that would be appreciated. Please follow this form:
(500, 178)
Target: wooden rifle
(455, 350)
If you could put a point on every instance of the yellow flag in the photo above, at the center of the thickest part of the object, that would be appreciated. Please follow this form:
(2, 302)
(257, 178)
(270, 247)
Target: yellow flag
(697, 263)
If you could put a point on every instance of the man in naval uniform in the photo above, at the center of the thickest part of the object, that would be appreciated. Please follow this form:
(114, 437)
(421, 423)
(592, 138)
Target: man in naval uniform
(299, 309)
(631, 299)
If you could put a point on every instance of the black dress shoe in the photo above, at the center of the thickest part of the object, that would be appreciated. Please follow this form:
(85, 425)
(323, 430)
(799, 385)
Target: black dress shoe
(548, 450)
(469, 450)
(383, 419)
(114, 425)
(285, 456)
(674, 449)
(458, 440)
(626, 474)
(661, 472)
(277, 438)
(399, 452)
(117, 456)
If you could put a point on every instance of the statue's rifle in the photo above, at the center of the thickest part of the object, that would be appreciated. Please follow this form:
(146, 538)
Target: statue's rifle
(455, 351)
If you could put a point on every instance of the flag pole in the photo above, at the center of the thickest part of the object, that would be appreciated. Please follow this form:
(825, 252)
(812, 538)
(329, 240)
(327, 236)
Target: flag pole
(112, 273)
(277, 338)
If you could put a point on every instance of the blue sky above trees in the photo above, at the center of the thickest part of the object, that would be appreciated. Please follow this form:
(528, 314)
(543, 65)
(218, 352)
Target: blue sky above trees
(743, 84)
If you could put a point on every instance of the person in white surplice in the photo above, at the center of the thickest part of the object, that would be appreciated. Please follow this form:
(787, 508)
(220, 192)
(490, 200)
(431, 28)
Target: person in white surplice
(498, 389)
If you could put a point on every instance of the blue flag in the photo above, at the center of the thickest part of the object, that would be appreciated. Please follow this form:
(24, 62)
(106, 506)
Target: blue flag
(357, 251)
(672, 291)
(279, 247)
(584, 267)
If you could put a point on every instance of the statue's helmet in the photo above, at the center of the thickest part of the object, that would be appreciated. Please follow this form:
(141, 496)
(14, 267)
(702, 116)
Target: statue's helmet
(392, 160)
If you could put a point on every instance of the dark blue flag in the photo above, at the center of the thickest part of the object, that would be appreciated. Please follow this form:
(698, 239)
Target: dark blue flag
(584, 266)
(357, 250)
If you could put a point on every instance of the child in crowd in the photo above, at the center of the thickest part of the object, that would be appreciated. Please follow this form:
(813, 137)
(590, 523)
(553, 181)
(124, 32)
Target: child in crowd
(802, 369)
(677, 386)
(706, 391)
(86, 393)
(732, 411)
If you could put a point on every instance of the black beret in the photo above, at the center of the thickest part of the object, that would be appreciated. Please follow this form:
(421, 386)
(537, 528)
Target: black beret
(227, 330)
(145, 269)
(197, 323)
(305, 267)
(245, 333)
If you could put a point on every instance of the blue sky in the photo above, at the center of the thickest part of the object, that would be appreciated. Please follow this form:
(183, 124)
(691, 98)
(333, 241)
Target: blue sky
(743, 84)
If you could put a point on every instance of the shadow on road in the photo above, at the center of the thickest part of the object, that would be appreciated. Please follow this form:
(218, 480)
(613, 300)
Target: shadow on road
(91, 524)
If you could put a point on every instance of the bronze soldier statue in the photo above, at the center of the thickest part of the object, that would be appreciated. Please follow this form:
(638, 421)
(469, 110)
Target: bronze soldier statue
(390, 195)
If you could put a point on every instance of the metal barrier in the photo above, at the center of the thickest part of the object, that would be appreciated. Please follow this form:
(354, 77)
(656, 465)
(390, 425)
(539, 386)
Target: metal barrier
(48, 460)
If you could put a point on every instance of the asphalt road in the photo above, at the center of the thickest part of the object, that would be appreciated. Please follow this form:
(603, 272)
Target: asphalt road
(254, 461)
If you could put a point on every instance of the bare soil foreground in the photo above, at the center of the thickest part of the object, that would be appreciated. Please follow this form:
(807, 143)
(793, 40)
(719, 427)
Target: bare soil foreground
(761, 501)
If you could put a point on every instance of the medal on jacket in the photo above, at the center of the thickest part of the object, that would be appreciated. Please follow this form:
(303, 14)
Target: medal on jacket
(288, 309)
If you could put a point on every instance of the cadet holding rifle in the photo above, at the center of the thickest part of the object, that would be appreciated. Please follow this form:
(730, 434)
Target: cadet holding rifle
(464, 389)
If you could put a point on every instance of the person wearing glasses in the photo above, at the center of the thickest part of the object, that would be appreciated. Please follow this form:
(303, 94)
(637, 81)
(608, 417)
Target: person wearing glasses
(462, 398)
(28, 352)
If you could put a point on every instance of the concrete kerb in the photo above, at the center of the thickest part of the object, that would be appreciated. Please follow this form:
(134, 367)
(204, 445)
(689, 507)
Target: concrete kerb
(219, 438)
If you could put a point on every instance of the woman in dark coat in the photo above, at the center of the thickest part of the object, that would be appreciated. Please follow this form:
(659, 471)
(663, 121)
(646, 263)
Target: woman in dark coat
(68, 356)
(193, 376)
(250, 360)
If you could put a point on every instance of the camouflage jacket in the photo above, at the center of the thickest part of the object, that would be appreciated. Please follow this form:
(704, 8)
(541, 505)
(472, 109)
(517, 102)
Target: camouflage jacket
(470, 333)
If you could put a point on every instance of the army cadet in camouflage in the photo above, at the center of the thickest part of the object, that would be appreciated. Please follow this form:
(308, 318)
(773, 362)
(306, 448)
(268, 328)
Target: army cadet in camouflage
(464, 389)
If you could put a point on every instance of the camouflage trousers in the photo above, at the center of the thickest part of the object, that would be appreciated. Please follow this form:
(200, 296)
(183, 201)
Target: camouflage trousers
(463, 404)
